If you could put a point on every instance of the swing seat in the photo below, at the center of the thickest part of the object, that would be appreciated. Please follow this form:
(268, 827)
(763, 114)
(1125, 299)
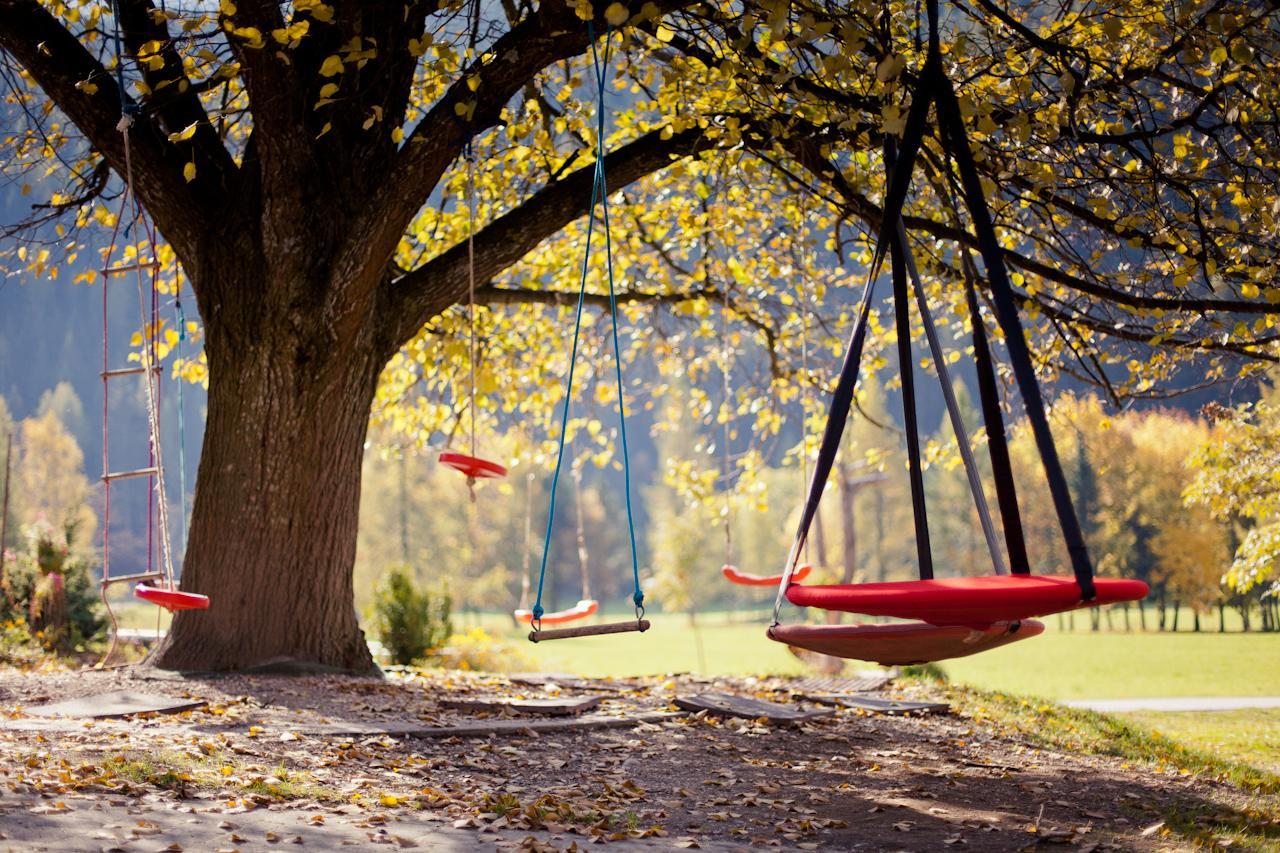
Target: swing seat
(903, 643)
(733, 575)
(171, 599)
(473, 466)
(973, 602)
(581, 610)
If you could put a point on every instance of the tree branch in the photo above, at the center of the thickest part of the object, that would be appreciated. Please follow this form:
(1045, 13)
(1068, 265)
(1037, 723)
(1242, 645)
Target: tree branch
(413, 298)
(474, 103)
(57, 62)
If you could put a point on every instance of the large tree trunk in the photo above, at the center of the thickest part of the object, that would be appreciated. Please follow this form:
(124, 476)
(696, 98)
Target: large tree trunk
(273, 526)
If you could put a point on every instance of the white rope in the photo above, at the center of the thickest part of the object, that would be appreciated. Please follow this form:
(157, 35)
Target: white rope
(149, 372)
(471, 304)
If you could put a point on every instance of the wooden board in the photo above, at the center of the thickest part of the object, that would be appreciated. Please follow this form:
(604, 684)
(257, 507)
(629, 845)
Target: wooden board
(562, 707)
(861, 683)
(489, 728)
(727, 704)
(541, 679)
(120, 703)
(875, 704)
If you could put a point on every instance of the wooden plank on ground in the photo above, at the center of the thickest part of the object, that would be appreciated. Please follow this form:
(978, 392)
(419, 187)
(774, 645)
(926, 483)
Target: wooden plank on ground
(877, 705)
(863, 682)
(565, 706)
(727, 704)
(489, 728)
(120, 703)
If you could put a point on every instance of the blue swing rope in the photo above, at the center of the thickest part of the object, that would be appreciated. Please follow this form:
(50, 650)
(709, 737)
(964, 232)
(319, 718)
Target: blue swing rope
(599, 193)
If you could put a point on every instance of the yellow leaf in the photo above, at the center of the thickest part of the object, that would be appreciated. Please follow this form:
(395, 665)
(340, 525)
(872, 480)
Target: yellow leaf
(1249, 290)
(331, 66)
(251, 35)
(616, 14)
(186, 133)
(87, 87)
(397, 135)
(328, 90)
(189, 172)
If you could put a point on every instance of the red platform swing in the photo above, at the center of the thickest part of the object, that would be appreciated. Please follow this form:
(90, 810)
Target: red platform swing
(955, 616)
(470, 465)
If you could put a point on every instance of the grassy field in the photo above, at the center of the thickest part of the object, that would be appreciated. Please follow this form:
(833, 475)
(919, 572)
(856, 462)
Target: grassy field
(1058, 665)
(1061, 664)
(1249, 737)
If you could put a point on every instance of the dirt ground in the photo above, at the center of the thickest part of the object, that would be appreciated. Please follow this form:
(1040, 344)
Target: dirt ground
(259, 768)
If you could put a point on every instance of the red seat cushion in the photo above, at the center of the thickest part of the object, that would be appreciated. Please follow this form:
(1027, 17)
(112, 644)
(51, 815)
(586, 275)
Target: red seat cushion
(581, 610)
(973, 602)
(903, 643)
(734, 575)
(473, 466)
(171, 599)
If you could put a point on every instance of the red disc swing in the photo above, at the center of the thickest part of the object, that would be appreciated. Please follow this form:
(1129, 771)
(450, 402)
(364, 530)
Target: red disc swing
(729, 570)
(470, 465)
(957, 616)
(157, 584)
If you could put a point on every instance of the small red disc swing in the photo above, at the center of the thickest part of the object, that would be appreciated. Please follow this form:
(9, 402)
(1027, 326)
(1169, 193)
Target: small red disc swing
(957, 616)
(157, 585)
(729, 570)
(470, 465)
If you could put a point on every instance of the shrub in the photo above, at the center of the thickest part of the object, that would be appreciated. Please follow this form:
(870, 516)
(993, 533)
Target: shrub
(410, 622)
(477, 650)
(49, 587)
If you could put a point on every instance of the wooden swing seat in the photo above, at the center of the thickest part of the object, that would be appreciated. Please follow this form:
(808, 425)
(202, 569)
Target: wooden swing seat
(734, 575)
(473, 466)
(171, 599)
(903, 643)
(972, 602)
(630, 625)
(584, 608)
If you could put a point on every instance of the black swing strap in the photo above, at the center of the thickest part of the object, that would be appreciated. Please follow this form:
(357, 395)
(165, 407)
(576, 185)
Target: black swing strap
(993, 418)
(1006, 310)
(906, 372)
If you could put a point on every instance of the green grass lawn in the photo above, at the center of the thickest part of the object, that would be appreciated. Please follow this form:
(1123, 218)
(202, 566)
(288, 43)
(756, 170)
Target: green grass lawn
(1249, 737)
(1081, 665)
(1060, 664)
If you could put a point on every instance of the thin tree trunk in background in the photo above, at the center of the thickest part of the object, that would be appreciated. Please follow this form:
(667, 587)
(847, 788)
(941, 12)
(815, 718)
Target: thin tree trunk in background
(880, 564)
(848, 527)
(1177, 610)
(1222, 617)
(1195, 623)
(1142, 614)
(404, 511)
(1128, 625)
(4, 507)
(820, 541)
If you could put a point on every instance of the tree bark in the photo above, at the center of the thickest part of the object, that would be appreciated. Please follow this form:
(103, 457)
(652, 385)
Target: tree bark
(273, 525)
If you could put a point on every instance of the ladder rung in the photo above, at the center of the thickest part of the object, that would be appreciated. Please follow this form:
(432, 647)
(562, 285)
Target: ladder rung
(124, 268)
(125, 475)
(142, 576)
(127, 371)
